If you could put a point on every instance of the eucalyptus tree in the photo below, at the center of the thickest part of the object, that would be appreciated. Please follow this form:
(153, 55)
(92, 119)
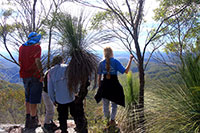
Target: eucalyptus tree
(27, 16)
(125, 19)
(5, 30)
(23, 19)
(49, 24)
(182, 31)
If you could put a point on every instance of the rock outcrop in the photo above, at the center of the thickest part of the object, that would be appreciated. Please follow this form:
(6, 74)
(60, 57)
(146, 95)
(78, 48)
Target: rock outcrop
(18, 128)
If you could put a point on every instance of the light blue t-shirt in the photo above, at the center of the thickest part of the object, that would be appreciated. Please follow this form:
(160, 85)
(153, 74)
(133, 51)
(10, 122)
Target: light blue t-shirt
(115, 66)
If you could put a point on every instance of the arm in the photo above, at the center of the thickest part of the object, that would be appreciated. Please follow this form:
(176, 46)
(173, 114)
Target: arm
(129, 64)
(38, 60)
(39, 66)
(50, 87)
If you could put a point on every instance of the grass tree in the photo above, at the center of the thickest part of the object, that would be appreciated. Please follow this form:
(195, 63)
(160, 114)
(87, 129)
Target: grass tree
(190, 70)
(128, 116)
(180, 113)
(76, 44)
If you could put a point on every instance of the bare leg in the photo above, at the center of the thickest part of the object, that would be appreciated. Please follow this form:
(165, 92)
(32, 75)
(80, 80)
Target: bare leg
(27, 104)
(33, 111)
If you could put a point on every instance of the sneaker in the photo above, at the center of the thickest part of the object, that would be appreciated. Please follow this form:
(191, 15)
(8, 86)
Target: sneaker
(54, 126)
(50, 127)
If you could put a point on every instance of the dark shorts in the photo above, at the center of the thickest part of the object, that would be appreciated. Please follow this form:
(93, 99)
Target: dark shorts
(33, 90)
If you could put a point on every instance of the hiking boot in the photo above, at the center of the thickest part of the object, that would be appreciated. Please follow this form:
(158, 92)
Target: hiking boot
(112, 123)
(81, 125)
(27, 122)
(34, 123)
(51, 127)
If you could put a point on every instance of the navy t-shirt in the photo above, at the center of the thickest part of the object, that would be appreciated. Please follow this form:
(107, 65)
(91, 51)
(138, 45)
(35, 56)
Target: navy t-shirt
(115, 66)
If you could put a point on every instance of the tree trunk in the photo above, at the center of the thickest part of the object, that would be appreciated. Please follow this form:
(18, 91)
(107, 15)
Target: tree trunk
(141, 97)
(142, 82)
(49, 49)
(34, 7)
(140, 108)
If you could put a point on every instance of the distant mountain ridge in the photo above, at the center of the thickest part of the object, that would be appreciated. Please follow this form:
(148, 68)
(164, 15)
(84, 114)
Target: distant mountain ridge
(10, 71)
(10, 74)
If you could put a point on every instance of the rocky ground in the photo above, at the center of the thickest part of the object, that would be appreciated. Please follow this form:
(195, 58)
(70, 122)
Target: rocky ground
(17, 128)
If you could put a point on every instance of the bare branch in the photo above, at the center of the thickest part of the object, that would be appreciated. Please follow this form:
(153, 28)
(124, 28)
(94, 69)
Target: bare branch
(7, 58)
(139, 17)
(157, 47)
(130, 12)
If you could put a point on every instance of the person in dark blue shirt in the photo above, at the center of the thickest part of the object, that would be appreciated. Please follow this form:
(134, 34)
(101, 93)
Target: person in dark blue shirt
(110, 90)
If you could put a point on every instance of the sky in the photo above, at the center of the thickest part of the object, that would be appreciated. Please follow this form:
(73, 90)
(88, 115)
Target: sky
(75, 9)
(150, 5)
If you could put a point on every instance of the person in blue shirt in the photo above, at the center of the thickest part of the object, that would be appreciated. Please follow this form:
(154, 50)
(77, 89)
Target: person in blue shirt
(59, 92)
(110, 90)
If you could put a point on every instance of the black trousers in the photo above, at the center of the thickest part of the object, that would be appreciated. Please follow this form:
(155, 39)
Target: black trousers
(80, 119)
(63, 110)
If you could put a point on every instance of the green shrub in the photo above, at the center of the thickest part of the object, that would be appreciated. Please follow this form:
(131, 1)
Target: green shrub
(12, 105)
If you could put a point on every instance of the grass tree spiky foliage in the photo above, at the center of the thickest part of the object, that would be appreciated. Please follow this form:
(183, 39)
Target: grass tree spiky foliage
(77, 44)
(128, 117)
(177, 106)
(190, 71)
(132, 89)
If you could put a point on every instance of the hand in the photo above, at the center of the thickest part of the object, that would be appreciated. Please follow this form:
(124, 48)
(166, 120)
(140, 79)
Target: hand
(131, 57)
(41, 79)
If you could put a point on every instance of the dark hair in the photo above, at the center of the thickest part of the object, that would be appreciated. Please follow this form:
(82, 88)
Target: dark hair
(57, 60)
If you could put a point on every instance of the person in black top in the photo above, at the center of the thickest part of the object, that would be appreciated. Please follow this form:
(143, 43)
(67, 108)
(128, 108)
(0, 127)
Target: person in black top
(49, 125)
(110, 89)
(81, 120)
